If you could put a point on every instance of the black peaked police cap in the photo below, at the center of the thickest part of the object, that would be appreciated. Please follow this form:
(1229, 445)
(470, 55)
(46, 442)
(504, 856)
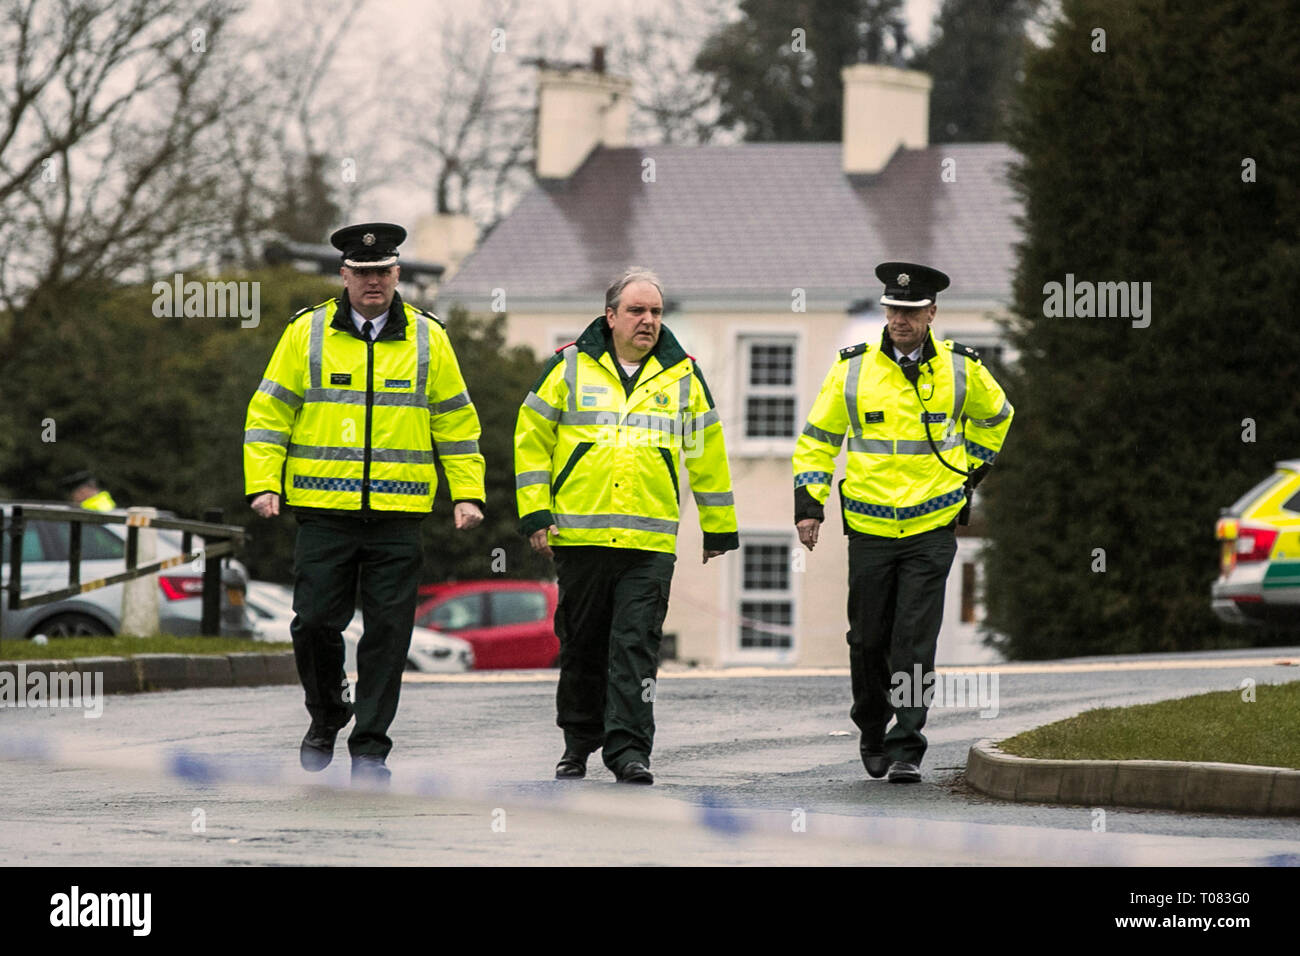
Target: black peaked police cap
(369, 245)
(909, 284)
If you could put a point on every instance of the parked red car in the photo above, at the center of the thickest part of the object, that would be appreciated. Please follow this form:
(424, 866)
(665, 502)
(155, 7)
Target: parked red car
(509, 623)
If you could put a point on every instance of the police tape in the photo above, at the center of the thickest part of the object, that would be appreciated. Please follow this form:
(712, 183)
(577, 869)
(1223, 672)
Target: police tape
(933, 841)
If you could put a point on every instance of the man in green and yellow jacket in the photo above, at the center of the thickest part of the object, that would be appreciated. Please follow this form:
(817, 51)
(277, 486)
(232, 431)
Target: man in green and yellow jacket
(918, 414)
(597, 450)
(362, 396)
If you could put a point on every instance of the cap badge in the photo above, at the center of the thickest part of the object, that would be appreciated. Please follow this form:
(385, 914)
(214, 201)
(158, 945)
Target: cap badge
(368, 239)
(904, 279)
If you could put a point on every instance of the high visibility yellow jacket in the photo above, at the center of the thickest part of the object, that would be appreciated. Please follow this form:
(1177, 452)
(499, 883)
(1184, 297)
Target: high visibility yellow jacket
(602, 465)
(355, 425)
(894, 485)
(100, 501)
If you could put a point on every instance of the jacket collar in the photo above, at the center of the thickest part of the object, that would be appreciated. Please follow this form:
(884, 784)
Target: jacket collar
(394, 327)
(597, 339)
(928, 350)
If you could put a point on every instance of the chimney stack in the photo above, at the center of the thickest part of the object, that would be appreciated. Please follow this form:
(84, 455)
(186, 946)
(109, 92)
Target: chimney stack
(884, 108)
(578, 110)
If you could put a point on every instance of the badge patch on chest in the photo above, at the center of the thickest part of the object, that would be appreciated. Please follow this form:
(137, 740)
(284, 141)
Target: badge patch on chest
(661, 399)
(340, 378)
(588, 401)
(873, 418)
(397, 383)
(933, 418)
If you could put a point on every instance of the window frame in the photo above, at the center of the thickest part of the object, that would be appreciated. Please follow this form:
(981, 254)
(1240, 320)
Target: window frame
(740, 594)
(768, 445)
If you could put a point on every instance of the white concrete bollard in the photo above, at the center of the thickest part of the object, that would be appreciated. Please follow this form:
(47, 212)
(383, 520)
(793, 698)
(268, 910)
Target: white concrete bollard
(140, 596)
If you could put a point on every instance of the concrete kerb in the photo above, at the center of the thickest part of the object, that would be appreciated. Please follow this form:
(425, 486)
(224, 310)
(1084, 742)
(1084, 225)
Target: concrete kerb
(1151, 784)
(146, 672)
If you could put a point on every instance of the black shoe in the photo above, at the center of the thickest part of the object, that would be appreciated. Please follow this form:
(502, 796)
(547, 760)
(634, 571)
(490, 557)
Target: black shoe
(877, 764)
(369, 770)
(572, 766)
(634, 771)
(317, 748)
(900, 771)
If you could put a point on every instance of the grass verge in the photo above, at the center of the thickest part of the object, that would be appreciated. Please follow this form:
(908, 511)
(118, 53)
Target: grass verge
(1221, 727)
(66, 648)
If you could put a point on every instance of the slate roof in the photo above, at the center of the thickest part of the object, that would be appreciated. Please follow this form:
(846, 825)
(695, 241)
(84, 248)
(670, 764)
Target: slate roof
(742, 226)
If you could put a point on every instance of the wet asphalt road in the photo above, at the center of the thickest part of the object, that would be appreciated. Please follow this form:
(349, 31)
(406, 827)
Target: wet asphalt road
(749, 769)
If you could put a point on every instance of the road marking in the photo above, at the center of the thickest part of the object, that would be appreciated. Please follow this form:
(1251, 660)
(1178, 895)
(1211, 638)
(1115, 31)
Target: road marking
(737, 673)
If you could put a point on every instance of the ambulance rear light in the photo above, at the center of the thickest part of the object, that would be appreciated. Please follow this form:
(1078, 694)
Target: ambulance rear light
(1254, 544)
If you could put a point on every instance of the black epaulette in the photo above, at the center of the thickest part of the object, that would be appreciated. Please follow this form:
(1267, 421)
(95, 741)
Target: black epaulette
(429, 315)
(309, 310)
(853, 350)
(966, 350)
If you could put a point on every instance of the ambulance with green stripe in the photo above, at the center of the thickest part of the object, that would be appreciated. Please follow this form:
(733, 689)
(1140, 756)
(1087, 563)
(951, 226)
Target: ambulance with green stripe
(1259, 552)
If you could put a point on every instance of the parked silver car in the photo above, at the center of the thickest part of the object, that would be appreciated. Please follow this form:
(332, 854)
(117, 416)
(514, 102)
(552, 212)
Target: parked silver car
(98, 612)
(271, 609)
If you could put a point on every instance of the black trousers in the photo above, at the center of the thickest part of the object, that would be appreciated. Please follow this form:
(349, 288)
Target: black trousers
(332, 557)
(896, 590)
(610, 624)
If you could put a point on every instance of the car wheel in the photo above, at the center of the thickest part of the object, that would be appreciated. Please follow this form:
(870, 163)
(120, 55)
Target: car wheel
(71, 624)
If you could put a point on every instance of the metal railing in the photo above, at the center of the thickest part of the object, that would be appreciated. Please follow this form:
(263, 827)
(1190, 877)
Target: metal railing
(219, 540)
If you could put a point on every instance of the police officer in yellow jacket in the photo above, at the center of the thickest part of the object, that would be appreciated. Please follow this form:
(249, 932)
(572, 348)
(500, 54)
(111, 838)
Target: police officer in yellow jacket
(83, 489)
(362, 395)
(597, 449)
(918, 414)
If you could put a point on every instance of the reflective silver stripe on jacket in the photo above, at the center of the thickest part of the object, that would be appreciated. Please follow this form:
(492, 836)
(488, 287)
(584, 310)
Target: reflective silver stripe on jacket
(684, 395)
(997, 419)
(714, 499)
(278, 391)
(958, 384)
(629, 522)
(586, 418)
(851, 393)
(571, 375)
(316, 348)
(450, 404)
(526, 478)
(404, 456)
(422, 362)
(270, 436)
(883, 446)
(457, 447)
(540, 406)
(812, 431)
(871, 446)
(352, 396)
(702, 422)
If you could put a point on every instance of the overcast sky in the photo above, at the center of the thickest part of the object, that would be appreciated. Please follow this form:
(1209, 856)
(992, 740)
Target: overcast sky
(387, 33)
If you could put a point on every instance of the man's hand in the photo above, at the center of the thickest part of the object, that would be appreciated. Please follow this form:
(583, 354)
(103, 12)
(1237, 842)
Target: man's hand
(538, 540)
(467, 515)
(712, 554)
(808, 531)
(267, 504)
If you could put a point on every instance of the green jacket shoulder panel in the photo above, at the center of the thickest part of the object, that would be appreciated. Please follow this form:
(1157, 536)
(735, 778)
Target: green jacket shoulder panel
(549, 367)
(695, 368)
